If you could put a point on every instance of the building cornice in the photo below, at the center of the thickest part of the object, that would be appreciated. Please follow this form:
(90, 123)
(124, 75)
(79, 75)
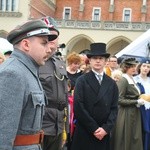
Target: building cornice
(10, 14)
(104, 25)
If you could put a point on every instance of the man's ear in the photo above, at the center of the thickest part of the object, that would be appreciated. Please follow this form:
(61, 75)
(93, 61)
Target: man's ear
(25, 44)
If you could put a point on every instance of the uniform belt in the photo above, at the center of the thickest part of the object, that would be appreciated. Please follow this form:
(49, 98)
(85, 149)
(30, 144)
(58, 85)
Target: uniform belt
(23, 140)
(57, 105)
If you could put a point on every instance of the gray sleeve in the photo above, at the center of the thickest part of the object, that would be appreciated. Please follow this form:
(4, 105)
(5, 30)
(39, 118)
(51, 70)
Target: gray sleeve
(12, 89)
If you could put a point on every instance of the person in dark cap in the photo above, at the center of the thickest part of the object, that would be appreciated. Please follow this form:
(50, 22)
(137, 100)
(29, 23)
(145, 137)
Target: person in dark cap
(29, 29)
(7, 54)
(127, 134)
(53, 77)
(95, 103)
(22, 99)
(143, 81)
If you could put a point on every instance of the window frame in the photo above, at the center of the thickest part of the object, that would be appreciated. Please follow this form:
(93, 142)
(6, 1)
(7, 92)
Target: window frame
(124, 19)
(64, 13)
(98, 17)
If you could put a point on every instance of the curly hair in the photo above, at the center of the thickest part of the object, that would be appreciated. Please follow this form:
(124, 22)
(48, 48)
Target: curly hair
(73, 58)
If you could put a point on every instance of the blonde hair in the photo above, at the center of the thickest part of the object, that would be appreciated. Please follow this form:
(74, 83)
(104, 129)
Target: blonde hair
(2, 57)
(116, 74)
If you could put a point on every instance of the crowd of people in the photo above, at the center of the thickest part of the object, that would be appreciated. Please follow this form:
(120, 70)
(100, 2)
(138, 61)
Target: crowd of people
(89, 101)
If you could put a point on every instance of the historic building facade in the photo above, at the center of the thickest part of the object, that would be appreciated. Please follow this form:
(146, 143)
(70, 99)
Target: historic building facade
(81, 22)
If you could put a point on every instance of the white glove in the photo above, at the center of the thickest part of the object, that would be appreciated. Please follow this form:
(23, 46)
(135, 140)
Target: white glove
(140, 102)
(147, 105)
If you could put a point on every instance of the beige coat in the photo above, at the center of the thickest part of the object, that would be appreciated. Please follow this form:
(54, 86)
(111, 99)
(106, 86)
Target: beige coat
(127, 133)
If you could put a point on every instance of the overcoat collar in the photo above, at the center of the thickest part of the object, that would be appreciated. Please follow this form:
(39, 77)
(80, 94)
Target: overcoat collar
(99, 90)
(26, 60)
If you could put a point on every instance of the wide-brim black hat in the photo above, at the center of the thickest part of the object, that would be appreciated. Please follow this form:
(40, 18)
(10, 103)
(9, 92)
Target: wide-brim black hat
(98, 49)
(130, 61)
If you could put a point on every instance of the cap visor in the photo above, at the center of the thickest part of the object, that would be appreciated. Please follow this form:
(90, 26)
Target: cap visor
(52, 37)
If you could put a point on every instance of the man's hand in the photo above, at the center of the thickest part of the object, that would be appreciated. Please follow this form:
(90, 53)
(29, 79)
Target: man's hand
(100, 133)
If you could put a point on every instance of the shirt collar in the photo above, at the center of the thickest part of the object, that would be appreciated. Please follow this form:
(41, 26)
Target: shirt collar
(97, 73)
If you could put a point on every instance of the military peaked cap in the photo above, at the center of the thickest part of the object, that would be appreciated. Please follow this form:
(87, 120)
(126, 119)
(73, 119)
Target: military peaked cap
(29, 29)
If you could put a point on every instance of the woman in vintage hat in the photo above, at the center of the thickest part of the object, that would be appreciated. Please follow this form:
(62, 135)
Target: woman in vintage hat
(143, 80)
(95, 103)
(127, 134)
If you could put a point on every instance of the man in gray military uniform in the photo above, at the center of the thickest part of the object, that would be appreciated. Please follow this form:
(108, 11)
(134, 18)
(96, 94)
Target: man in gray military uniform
(53, 77)
(22, 98)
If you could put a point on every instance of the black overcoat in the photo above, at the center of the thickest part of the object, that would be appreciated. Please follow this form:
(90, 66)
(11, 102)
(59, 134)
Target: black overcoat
(94, 106)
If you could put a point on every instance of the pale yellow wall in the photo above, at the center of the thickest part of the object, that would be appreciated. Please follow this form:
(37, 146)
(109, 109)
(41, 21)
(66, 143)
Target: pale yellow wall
(75, 39)
(67, 36)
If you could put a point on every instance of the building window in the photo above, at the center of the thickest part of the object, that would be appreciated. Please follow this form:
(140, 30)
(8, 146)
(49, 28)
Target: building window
(2, 5)
(96, 14)
(13, 6)
(9, 5)
(127, 15)
(67, 13)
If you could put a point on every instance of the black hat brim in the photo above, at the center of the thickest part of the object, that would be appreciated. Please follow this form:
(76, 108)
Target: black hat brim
(106, 55)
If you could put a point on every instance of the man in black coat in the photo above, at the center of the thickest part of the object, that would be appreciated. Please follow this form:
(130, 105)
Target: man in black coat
(95, 104)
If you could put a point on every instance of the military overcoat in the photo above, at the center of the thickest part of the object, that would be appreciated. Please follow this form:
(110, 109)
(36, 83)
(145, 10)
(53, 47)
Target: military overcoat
(21, 100)
(53, 77)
